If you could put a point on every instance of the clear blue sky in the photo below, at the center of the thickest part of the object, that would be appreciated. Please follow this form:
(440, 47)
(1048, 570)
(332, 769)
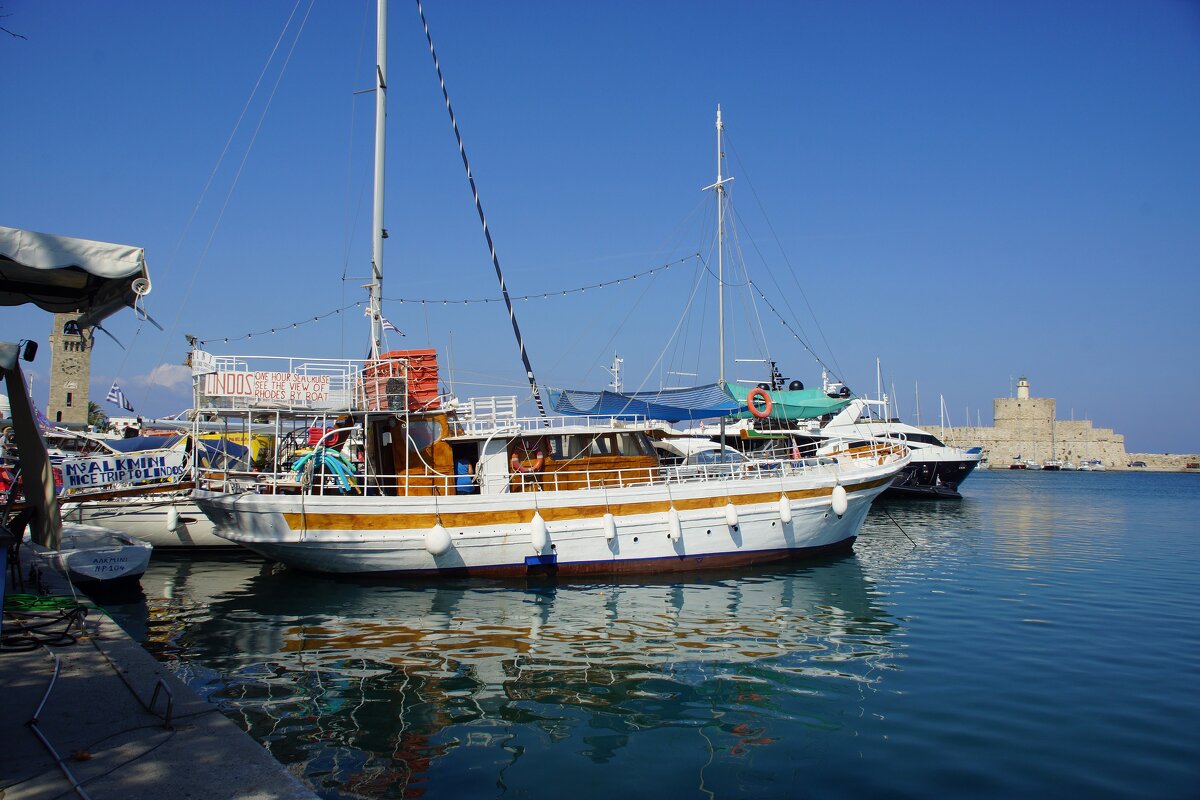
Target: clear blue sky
(968, 191)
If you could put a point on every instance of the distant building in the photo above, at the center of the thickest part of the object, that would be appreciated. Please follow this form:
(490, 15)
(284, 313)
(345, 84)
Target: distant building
(70, 372)
(1027, 429)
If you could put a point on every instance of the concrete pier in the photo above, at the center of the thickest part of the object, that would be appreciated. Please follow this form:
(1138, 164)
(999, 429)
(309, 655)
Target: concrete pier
(94, 709)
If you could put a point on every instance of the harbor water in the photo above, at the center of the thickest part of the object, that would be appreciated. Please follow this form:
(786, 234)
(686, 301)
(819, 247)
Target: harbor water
(1039, 637)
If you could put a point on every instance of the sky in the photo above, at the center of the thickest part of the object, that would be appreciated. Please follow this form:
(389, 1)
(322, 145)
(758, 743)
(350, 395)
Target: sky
(968, 192)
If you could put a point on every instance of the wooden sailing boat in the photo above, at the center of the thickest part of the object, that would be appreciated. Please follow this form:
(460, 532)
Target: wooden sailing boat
(405, 479)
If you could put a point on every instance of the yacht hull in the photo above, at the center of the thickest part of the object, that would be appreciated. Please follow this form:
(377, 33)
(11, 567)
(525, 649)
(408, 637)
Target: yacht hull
(657, 528)
(931, 479)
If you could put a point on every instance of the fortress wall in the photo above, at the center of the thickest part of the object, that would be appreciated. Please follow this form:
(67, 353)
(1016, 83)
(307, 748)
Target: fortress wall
(1026, 430)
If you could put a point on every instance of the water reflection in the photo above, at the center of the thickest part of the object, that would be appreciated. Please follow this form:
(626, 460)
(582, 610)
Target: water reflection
(1030, 519)
(376, 689)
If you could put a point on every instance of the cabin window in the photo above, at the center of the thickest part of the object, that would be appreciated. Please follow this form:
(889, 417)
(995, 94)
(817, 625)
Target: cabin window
(633, 444)
(564, 448)
(924, 438)
(600, 446)
(423, 434)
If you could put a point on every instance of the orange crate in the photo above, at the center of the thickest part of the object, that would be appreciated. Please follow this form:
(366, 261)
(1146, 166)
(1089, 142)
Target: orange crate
(399, 376)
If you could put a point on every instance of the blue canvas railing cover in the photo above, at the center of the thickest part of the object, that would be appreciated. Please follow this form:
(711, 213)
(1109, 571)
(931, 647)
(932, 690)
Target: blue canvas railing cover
(669, 405)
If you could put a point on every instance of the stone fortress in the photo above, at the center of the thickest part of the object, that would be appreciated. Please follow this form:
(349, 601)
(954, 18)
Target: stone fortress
(1027, 429)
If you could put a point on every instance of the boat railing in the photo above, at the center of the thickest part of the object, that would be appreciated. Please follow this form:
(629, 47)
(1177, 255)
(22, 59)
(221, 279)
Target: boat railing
(481, 416)
(320, 479)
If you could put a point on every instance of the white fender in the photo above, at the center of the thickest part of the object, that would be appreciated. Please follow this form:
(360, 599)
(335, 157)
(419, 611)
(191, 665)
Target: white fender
(610, 527)
(437, 540)
(173, 521)
(538, 535)
(674, 525)
(785, 509)
(839, 500)
(731, 515)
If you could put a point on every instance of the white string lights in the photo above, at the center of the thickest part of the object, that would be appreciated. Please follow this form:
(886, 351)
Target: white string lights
(452, 301)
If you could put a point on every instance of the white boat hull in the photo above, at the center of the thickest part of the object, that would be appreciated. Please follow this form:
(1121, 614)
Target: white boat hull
(166, 523)
(496, 535)
(91, 555)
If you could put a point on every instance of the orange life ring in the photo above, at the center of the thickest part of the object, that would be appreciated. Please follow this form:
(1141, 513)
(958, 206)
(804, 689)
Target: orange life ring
(539, 461)
(758, 391)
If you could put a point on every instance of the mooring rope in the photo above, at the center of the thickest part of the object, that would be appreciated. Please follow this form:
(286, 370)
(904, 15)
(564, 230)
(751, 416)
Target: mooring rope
(537, 396)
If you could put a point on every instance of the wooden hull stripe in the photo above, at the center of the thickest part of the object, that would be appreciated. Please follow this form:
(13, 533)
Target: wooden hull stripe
(364, 521)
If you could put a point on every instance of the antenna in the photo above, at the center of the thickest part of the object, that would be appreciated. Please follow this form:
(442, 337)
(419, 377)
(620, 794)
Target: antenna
(615, 371)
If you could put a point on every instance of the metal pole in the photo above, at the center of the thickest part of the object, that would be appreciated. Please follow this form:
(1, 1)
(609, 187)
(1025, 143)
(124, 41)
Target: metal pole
(720, 254)
(377, 233)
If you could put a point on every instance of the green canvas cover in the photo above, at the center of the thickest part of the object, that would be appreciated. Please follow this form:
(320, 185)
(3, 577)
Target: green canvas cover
(787, 405)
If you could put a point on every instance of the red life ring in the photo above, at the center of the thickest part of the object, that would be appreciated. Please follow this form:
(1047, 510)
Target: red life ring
(539, 461)
(758, 391)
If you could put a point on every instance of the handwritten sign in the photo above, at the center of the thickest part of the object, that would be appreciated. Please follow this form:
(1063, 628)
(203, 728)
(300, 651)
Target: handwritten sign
(203, 363)
(278, 387)
(94, 473)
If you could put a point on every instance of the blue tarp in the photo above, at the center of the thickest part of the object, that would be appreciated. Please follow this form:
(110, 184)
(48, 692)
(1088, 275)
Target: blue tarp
(212, 452)
(135, 443)
(669, 405)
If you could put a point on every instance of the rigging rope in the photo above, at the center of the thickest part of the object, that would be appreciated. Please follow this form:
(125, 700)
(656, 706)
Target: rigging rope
(533, 385)
(797, 336)
(787, 261)
(446, 301)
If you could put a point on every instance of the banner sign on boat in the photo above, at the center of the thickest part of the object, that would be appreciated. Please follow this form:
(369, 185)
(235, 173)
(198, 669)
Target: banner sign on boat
(203, 363)
(279, 387)
(94, 473)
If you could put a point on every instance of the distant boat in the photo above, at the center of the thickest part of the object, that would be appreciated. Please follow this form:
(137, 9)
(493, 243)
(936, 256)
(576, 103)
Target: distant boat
(1091, 465)
(936, 469)
(1052, 465)
(1068, 466)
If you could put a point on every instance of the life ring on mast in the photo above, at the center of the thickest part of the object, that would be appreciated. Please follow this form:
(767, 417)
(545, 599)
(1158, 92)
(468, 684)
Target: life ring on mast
(539, 461)
(758, 391)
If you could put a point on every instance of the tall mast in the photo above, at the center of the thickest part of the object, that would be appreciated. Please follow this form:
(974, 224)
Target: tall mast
(720, 187)
(375, 287)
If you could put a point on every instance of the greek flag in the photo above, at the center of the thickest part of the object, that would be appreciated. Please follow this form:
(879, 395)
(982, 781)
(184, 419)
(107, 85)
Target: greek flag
(388, 326)
(115, 395)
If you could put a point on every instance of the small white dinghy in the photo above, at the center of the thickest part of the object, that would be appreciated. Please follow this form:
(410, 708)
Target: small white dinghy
(95, 557)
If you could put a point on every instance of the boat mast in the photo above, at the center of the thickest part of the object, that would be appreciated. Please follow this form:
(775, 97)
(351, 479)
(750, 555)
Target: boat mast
(378, 234)
(720, 187)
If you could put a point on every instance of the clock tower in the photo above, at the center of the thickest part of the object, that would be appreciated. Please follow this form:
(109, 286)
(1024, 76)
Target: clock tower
(70, 371)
